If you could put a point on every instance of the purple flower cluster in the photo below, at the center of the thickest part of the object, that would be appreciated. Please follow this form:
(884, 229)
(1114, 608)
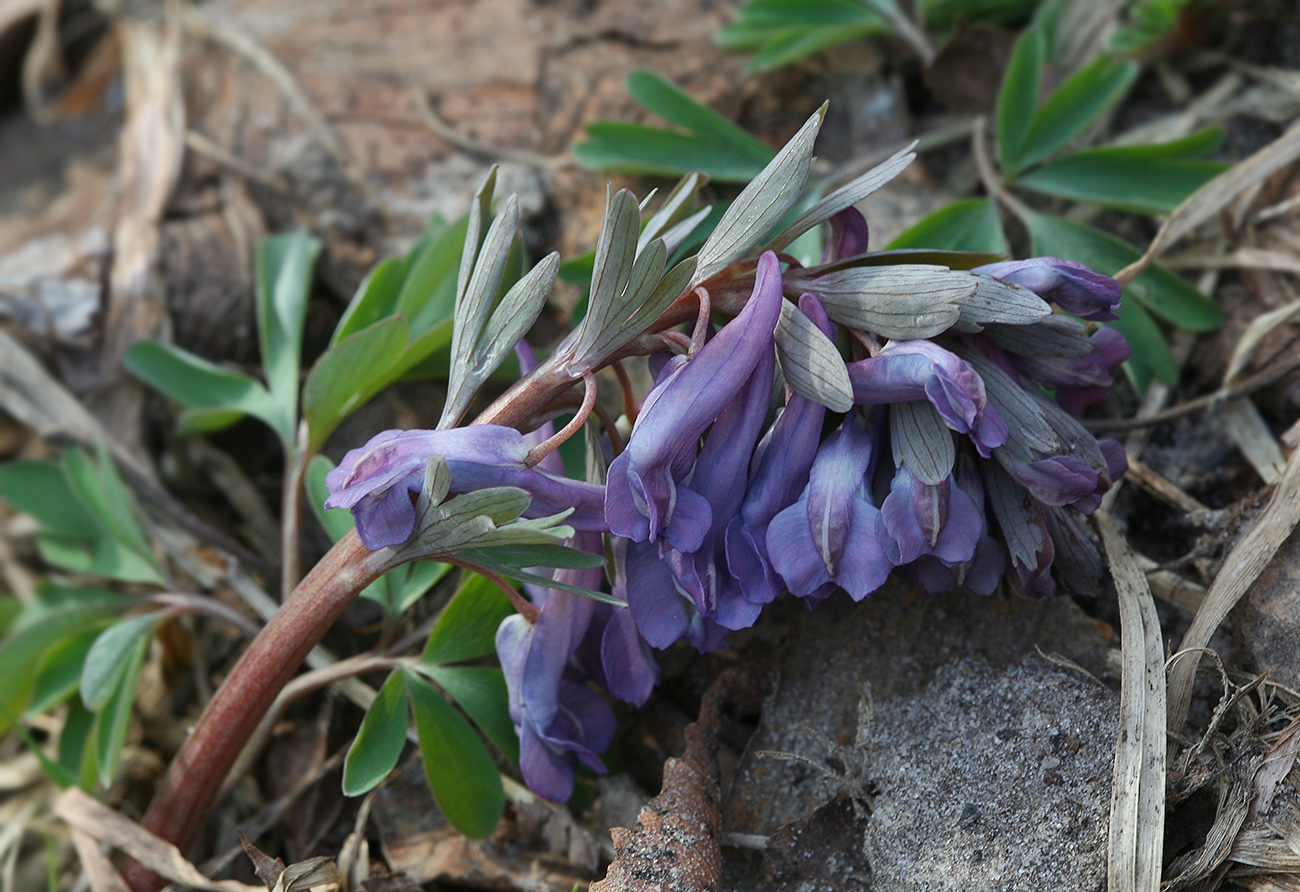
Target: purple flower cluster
(733, 488)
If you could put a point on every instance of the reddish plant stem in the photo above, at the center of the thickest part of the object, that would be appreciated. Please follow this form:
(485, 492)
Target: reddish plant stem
(183, 802)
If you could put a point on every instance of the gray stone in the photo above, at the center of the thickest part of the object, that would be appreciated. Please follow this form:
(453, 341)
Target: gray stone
(931, 732)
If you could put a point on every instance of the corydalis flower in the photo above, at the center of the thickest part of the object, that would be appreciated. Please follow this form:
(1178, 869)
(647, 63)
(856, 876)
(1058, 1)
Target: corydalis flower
(377, 482)
(1070, 284)
(644, 500)
(920, 370)
(829, 535)
(674, 593)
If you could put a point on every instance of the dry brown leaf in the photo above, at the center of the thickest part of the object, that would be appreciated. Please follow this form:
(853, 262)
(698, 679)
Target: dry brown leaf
(1137, 811)
(674, 847)
(102, 823)
(1278, 763)
(1208, 200)
(1242, 566)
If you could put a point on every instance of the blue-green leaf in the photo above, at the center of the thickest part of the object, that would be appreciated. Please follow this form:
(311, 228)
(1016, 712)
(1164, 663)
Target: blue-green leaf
(461, 774)
(380, 739)
(968, 225)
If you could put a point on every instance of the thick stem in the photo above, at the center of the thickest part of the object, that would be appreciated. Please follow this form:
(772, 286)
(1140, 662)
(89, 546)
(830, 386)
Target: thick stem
(183, 802)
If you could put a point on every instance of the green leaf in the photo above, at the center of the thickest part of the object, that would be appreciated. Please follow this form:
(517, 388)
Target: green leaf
(968, 225)
(350, 373)
(111, 655)
(652, 151)
(74, 754)
(674, 105)
(1157, 289)
(467, 628)
(461, 774)
(375, 298)
(481, 692)
(488, 559)
(418, 578)
(283, 278)
(115, 717)
(1076, 104)
(200, 386)
(1122, 178)
(61, 671)
(380, 739)
(551, 556)
(40, 490)
(98, 556)
(428, 295)
(101, 491)
(22, 655)
(336, 521)
(1018, 98)
(53, 770)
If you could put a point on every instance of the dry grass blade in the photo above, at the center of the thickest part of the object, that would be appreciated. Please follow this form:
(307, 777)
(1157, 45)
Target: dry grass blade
(102, 823)
(1240, 570)
(1214, 195)
(1137, 811)
(99, 870)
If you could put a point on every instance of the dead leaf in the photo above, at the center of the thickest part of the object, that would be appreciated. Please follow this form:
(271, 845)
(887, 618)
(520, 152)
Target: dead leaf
(674, 847)
(1137, 811)
(1278, 763)
(102, 823)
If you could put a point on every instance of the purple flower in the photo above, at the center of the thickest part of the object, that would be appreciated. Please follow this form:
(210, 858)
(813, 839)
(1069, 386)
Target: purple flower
(675, 593)
(377, 481)
(848, 235)
(643, 498)
(782, 462)
(559, 719)
(829, 535)
(1070, 284)
(940, 520)
(935, 570)
(920, 370)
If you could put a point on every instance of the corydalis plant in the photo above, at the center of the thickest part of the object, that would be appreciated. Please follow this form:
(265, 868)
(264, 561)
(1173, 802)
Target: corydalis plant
(874, 405)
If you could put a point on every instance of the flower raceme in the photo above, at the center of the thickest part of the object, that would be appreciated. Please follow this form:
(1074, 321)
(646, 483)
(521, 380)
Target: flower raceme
(957, 463)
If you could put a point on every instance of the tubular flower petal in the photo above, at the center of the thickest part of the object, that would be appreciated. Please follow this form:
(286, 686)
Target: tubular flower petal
(558, 718)
(829, 534)
(643, 497)
(1070, 284)
(920, 370)
(377, 481)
